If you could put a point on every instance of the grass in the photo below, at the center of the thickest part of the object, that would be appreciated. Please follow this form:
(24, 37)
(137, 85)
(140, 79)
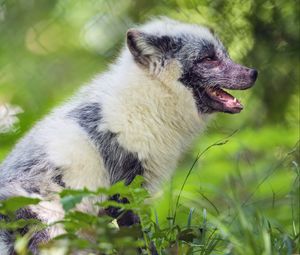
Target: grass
(198, 221)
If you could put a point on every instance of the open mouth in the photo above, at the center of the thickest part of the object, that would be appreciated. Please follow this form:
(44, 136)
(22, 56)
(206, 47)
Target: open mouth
(223, 101)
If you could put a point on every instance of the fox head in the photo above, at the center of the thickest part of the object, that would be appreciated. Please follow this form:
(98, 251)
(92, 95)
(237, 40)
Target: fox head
(203, 62)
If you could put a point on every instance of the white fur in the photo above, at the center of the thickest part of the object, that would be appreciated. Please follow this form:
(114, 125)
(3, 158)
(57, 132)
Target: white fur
(153, 114)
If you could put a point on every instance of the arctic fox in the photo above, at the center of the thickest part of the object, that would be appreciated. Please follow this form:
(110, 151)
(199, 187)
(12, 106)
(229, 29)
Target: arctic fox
(135, 119)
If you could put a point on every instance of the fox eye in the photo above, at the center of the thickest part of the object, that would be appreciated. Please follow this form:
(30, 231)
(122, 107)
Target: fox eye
(209, 58)
(206, 59)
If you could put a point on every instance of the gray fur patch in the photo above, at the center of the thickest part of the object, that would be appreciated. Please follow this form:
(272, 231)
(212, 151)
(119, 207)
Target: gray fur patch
(120, 163)
(41, 236)
(58, 179)
(32, 188)
(8, 237)
(26, 213)
(38, 238)
(28, 164)
(27, 167)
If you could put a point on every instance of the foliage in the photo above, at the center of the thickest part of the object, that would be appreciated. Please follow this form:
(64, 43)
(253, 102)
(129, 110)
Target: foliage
(245, 231)
(239, 198)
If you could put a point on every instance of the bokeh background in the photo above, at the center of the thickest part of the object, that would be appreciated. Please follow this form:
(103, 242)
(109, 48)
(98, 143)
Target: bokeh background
(48, 48)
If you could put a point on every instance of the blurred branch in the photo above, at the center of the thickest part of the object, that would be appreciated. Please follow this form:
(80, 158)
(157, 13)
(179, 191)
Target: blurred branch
(218, 143)
(272, 170)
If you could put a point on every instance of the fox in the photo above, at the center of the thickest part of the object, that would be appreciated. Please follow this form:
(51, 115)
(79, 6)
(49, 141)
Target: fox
(137, 118)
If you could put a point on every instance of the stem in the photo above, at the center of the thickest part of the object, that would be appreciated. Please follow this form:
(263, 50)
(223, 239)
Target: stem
(218, 143)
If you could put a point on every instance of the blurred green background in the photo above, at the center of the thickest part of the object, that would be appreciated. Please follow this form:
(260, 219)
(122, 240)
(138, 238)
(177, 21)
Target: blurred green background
(48, 48)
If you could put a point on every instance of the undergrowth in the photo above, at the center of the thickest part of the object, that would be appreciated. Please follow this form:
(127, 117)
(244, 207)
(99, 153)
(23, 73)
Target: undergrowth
(242, 229)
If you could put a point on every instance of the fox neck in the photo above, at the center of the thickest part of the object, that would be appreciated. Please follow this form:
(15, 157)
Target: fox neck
(154, 115)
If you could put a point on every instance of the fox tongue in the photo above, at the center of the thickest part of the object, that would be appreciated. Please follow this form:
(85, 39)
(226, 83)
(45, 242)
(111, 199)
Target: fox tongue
(225, 98)
(232, 102)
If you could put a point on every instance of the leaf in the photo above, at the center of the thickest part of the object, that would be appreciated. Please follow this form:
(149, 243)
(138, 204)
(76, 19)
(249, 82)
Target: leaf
(70, 198)
(21, 223)
(69, 202)
(12, 204)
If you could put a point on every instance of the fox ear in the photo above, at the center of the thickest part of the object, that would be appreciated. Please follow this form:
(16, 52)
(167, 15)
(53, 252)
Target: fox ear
(140, 48)
(147, 48)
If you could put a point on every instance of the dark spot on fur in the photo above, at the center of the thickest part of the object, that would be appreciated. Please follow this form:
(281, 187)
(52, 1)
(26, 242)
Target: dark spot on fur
(26, 214)
(38, 238)
(124, 218)
(31, 189)
(164, 46)
(115, 212)
(120, 163)
(167, 45)
(128, 218)
(8, 239)
(58, 180)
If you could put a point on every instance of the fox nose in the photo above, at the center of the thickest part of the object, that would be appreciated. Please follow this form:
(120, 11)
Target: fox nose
(253, 74)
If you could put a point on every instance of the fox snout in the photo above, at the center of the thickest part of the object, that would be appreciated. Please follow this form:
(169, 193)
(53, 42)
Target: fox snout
(238, 77)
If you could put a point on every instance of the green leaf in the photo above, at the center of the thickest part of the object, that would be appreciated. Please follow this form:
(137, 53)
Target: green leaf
(12, 204)
(69, 202)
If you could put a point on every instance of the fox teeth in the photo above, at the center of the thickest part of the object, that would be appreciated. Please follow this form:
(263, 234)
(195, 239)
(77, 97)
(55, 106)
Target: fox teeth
(235, 100)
